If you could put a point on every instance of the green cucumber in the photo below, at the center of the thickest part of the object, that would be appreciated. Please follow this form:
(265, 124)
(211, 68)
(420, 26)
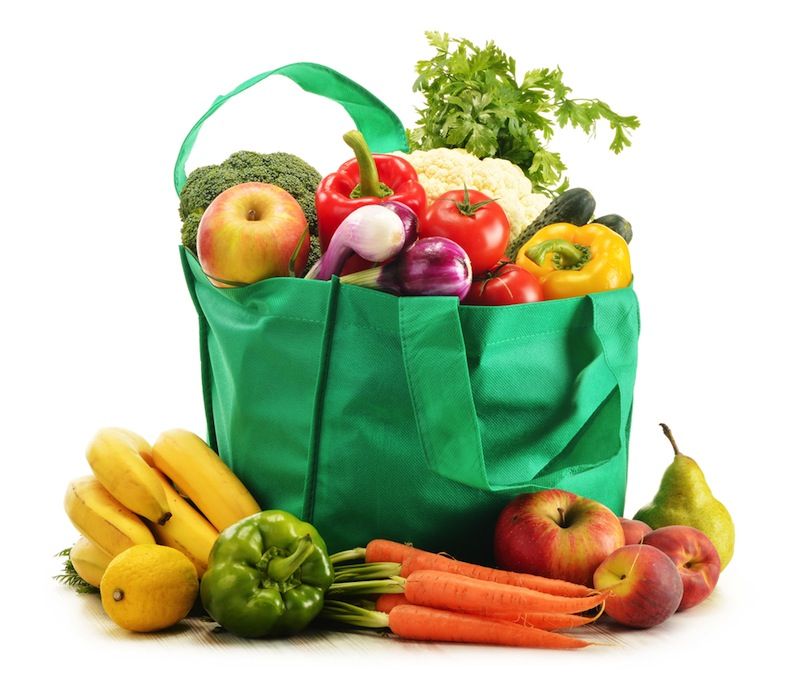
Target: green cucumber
(618, 224)
(574, 206)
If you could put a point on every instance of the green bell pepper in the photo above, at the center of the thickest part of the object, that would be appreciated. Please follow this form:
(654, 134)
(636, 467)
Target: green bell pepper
(267, 576)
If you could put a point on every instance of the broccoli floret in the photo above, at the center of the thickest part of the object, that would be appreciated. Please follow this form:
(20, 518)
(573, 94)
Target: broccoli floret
(314, 253)
(285, 170)
(189, 229)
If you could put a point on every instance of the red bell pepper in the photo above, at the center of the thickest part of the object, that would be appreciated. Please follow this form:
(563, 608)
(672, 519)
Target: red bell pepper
(365, 179)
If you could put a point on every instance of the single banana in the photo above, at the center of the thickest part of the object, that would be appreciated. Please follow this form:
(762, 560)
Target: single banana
(102, 519)
(140, 443)
(187, 531)
(120, 460)
(89, 560)
(203, 477)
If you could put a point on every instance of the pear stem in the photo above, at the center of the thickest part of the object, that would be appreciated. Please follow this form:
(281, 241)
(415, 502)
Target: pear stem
(668, 434)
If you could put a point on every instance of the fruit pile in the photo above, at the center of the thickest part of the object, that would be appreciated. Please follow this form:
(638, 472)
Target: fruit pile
(165, 526)
(148, 518)
(666, 559)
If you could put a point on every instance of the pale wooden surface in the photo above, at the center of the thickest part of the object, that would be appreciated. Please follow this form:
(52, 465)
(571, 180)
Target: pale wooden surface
(725, 639)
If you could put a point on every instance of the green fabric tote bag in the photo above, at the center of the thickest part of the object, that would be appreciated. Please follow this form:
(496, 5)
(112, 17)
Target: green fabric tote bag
(412, 418)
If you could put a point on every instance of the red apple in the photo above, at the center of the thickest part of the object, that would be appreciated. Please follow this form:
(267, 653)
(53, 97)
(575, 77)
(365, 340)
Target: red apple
(249, 232)
(644, 586)
(695, 556)
(556, 534)
(634, 530)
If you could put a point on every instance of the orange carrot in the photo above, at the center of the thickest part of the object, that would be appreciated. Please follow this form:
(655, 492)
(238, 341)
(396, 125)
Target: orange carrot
(428, 624)
(388, 601)
(414, 559)
(465, 594)
(438, 562)
(547, 621)
(388, 550)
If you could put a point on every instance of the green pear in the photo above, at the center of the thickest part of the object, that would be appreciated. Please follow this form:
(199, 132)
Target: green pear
(684, 498)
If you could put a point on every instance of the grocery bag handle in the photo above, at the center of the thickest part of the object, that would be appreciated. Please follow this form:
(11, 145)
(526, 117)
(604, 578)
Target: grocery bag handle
(434, 355)
(377, 122)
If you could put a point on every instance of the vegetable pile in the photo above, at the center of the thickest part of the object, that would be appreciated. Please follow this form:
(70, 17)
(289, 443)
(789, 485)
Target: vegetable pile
(468, 212)
(378, 229)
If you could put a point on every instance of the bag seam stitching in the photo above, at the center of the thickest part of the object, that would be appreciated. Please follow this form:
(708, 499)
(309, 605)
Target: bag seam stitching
(310, 491)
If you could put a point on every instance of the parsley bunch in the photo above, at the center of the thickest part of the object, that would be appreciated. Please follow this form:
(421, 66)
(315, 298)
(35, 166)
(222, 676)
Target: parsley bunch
(473, 101)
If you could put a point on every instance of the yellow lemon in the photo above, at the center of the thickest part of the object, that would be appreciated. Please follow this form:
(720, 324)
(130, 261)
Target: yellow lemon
(149, 587)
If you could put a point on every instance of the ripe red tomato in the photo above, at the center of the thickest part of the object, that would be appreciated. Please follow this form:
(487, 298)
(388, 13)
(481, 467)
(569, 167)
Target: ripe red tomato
(506, 284)
(471, 219)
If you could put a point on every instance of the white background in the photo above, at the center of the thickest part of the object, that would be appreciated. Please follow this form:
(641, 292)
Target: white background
(98, 328)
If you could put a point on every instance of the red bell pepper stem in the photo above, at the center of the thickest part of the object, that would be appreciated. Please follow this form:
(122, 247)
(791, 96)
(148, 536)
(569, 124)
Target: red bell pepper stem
(370, 184)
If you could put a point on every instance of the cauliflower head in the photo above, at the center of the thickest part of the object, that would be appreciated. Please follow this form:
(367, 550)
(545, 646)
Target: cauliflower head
(441, 170)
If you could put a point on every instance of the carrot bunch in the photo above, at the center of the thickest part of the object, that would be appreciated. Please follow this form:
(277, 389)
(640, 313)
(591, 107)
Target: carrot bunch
(421, 595)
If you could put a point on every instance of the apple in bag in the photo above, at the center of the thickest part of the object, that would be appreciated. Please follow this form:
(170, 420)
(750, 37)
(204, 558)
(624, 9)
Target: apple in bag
(249, 232)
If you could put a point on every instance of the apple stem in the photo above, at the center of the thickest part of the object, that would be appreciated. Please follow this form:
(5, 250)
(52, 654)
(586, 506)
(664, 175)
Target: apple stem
(562, 515)
(251, 215)
(668, 434)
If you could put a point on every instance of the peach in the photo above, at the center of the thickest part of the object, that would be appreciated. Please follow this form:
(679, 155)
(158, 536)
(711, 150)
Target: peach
(695, 556)
(634, 530)
(644, 585)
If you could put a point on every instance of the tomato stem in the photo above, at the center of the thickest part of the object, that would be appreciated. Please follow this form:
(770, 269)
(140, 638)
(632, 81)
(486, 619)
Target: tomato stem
(466, 207)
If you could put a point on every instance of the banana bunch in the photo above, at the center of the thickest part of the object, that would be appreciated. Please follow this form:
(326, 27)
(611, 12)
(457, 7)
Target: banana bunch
(177, 492)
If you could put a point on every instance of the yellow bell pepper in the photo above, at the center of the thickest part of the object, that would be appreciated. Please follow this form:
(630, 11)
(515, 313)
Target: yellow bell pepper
(570, 261)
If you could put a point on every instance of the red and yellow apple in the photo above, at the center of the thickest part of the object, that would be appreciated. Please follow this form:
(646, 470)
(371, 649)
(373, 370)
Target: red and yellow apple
(634, 530)
(249, 232)
(557, 534)
(695, 556)
(643, 584)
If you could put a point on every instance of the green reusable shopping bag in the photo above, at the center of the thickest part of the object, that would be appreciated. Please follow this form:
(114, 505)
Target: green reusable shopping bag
(410, 418)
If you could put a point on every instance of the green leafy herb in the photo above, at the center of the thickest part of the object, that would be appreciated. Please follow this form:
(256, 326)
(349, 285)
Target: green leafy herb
(473, 101)
(69, 576)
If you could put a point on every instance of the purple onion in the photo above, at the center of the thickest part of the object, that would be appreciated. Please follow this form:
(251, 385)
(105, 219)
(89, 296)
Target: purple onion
(376, 232)
(431, 266)
(409, 219)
